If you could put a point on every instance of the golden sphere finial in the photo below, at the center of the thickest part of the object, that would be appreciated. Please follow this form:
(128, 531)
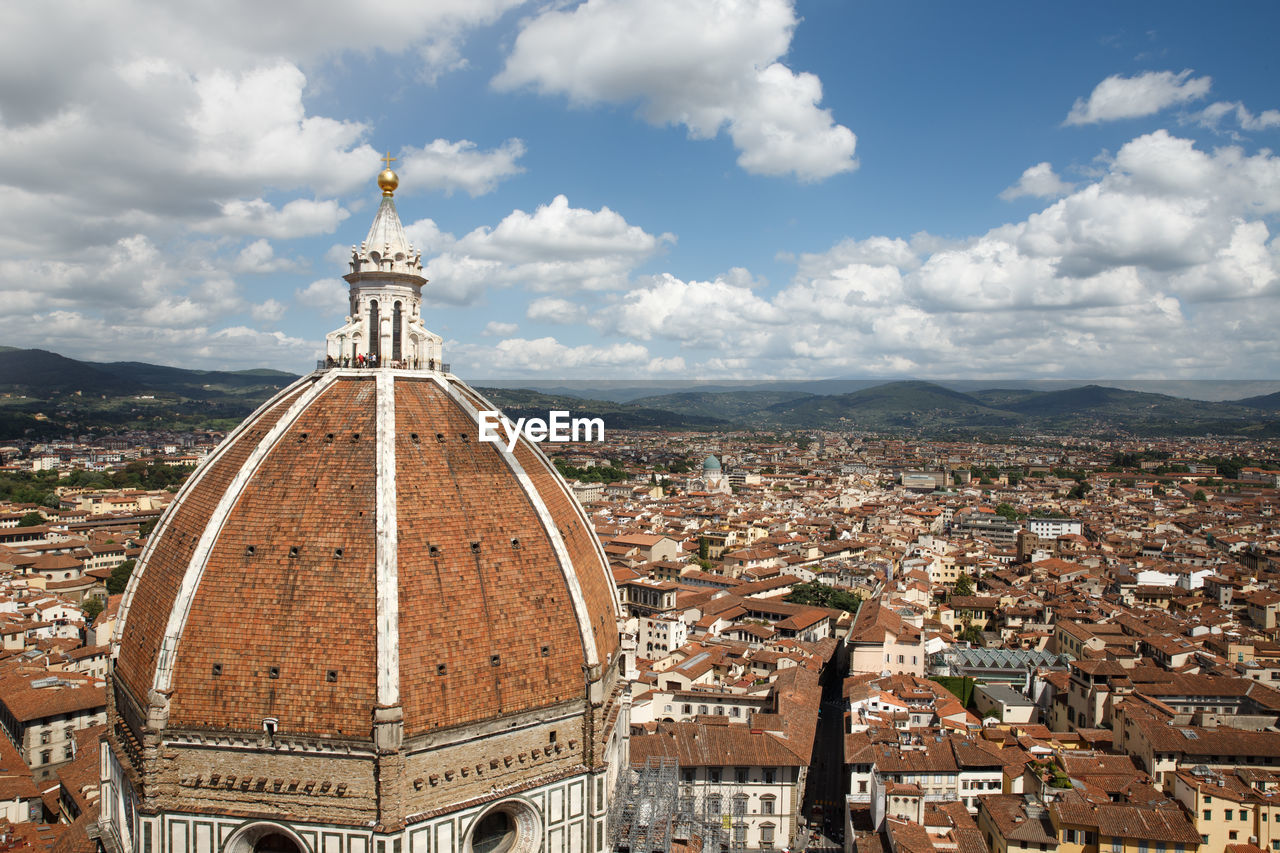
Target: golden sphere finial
(387, 179)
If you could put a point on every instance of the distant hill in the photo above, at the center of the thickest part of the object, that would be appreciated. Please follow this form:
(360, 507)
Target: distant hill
(49, 395)
(522, 403)
(46, 394)
(197, 384)
(909, 404)
(1267, 403)
(722, 405)
(39, 373)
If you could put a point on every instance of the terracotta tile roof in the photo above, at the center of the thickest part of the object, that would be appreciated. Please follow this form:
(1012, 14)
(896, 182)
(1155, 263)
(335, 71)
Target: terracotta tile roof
(283, 621)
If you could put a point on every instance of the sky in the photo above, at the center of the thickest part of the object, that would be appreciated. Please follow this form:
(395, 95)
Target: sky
(653, 189)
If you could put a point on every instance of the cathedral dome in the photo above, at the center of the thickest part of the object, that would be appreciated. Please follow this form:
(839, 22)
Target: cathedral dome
(354, 545)
(711, 464)
(359, 626)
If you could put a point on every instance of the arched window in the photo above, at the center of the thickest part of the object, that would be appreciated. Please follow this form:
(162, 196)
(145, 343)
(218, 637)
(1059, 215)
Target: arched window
(395, 332)
(375, 332)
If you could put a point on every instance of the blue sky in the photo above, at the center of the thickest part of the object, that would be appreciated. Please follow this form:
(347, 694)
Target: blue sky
(655, 188)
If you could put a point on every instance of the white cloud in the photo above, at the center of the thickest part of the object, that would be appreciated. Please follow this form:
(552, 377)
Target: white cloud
(495, 329)
(298, 218)
(1148, 93)
(706, 64)
(557, 248)
(326, 294)
(552, 310)
(448, 166)
(1164, 266)
(696, 312)
(260, 257)
(548, 355)
(269, 311)
(1038, 181)
(1213, 116)
(179, 122)
(425, 236)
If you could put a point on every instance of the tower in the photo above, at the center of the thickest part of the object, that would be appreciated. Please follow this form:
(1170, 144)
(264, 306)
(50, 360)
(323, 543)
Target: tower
(384, 324)
(359, 629)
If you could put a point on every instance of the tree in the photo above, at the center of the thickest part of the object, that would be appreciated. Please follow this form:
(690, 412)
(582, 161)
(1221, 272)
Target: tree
(31, 519)
(963, 586)
(1079, 491)
(704, 548)
(91, 607)
(1200, 495)
(120, 577)
(972, 634)
(1007, 511)
(820, 595)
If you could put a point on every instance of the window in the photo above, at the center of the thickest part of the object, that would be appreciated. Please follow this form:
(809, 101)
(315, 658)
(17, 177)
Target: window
(702, 709)
(740, 804)
(735, 711)
(766, 834)
(395, 331)
(767, 803)
(740, 774)
(862, 786)
(1069, 836)
(769, 775)
(715, 774)
(688, 775)
(46, 756)
(1143, 847)
(375, 334)
(1117, 845)
(740, 835)
(1232, 835)
(1208, 814)
(900, 658)
(687, 709)
(714, 802)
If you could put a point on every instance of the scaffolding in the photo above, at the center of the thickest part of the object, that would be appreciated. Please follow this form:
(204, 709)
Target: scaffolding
(652, 809)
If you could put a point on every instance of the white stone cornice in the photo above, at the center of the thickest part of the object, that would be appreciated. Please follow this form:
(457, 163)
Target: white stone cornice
(386, 560)
(181, 610)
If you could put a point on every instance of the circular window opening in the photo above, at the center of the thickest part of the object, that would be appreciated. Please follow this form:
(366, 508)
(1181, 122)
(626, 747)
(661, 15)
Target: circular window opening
(275, 842)
(512, 826)
(495, 833)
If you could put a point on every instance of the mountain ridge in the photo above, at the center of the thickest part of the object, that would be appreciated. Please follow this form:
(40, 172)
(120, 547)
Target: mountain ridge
(114, 394)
